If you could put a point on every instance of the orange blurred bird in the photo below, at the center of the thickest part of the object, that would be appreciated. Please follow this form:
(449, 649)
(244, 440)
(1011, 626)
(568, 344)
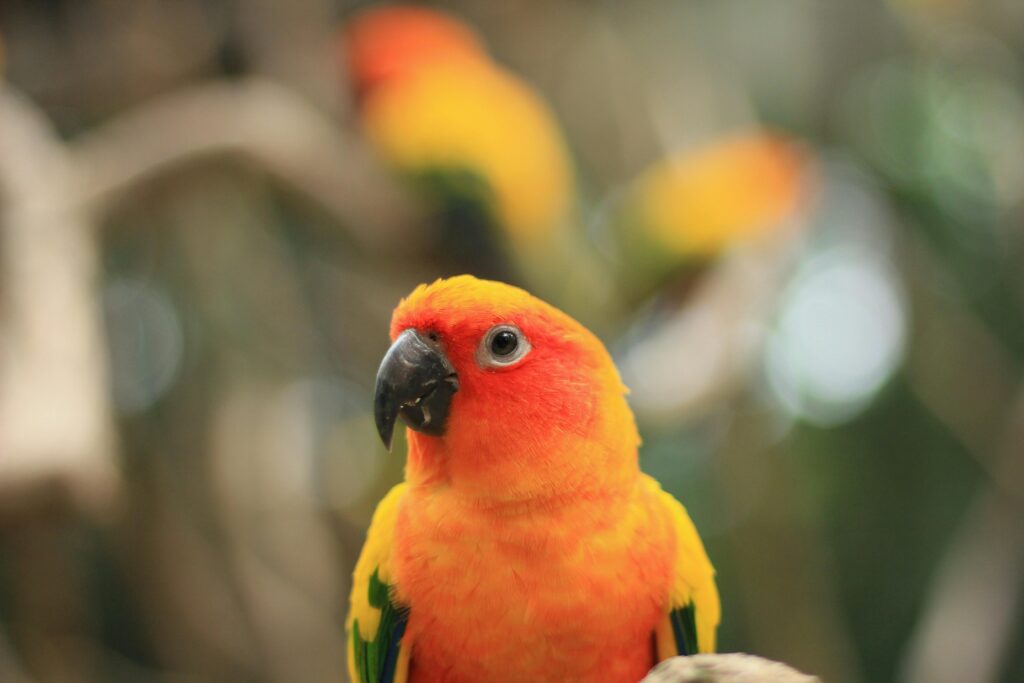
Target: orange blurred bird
(525, 544)
(478, 140)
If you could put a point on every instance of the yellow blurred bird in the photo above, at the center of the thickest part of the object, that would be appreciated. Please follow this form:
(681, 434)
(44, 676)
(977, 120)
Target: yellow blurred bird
(480, 142)
(689, 209)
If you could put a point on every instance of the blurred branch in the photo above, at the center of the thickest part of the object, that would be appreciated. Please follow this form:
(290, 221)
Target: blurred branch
(972, 359)
(56, 436)
(175, 570)
(968, 619)
(728, 668)
(10, 670)
(966, 625)
(284, 568)
(266, 124)
(53, 627)
(778, 553)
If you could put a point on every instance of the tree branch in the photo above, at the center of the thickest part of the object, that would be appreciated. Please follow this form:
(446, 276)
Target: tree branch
(56, 433)
(262, 122)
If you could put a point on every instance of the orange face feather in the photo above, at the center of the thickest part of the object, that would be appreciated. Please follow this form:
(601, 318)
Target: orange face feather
(390, 42)
(515, 432)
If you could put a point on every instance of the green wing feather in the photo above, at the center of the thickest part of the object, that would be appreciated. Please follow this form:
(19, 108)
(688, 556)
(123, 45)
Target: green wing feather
(376, 659)
(376, 621)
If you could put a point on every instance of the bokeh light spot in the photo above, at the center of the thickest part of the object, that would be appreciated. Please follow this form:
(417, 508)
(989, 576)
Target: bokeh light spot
(839, 337)
(145, 342)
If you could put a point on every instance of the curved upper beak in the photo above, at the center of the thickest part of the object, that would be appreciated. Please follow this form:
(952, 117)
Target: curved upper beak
(417, 381)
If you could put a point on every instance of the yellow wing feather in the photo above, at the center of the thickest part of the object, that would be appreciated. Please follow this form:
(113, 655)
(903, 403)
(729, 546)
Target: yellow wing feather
(375, 557)
(694, 584)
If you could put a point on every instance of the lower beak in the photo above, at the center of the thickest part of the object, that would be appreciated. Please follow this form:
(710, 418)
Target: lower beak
(417, 381)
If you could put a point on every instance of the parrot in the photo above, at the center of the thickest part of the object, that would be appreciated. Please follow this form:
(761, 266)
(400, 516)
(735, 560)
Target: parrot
(686, 211)
(524, 544)
(705, 240)
(479, 143)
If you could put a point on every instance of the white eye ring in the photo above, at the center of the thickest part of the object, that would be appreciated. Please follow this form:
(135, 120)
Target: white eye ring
(499, 350)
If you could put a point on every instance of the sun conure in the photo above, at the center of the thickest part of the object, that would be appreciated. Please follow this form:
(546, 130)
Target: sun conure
(687, 210)
(479, 142)
(524, 545)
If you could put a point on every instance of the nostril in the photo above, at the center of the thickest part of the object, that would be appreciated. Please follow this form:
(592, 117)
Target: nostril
(432, 336)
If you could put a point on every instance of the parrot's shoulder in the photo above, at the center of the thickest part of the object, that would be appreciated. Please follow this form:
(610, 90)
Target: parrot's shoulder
(378, 547)
(376, 622)
(694, 609)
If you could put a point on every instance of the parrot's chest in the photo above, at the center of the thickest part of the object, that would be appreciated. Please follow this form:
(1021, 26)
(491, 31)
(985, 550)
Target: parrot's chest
(568, 596)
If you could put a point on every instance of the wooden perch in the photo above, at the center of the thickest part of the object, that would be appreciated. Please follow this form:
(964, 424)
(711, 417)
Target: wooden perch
(730, 668)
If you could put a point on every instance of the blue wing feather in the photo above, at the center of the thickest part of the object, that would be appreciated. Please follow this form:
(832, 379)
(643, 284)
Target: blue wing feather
(684, 628)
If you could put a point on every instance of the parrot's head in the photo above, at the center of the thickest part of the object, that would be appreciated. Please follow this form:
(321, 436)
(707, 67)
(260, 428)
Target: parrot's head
(505, 396)
(388, 42)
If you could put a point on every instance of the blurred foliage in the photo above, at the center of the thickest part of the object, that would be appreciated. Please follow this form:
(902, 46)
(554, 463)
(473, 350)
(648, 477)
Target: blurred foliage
(830, 379)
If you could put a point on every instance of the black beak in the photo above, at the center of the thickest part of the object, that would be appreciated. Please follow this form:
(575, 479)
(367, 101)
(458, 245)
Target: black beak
(417, 381)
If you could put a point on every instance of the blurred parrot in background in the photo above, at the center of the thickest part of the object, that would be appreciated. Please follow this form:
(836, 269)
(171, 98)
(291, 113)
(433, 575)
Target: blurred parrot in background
(481, 144)
(525, 544)
(703, 241)
(686, 211)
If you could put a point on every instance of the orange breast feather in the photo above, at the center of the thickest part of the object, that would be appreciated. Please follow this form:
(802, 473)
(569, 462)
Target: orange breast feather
(571, 594)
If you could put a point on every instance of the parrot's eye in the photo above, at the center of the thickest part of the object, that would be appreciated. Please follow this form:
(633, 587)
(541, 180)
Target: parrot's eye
(503, 345)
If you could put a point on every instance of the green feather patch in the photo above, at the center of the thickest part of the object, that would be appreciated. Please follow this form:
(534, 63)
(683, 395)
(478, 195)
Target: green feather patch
(376, 659)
